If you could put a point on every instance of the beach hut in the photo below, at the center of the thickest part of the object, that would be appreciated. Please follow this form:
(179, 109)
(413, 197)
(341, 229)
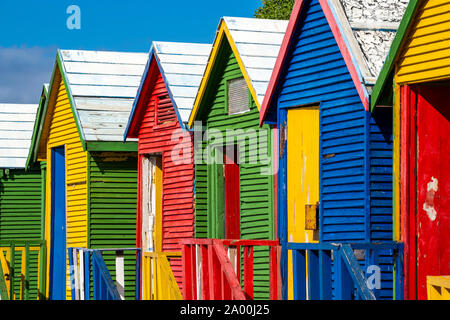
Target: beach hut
(22, 189)
(165, 212)
(234, 181)
(335, 159)
(415, 79)
(91, 174)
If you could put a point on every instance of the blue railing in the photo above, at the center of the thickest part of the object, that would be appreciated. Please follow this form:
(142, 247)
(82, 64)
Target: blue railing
(81, 260)
(329, 271)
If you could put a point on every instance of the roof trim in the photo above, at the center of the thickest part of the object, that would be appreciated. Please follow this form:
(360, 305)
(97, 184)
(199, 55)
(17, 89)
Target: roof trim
(222, 32)
(285, 45)
(343, 43)
(345, 48)
(138, 95)
(107, 146)
(37, 123)
(71, 101)
(394, 51)
(153, 55)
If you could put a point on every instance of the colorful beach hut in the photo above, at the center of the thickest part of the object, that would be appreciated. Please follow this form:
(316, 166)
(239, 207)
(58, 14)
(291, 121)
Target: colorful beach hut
(165, 211)
(22, 188)
(415, 79)
(234, 178)
(335, 158)
(91, 174)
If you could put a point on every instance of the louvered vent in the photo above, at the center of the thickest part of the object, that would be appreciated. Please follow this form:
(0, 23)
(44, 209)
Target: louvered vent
(238, 100)
(165, 110)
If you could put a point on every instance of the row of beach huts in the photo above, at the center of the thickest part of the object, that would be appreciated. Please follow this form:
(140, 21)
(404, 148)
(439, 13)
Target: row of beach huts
(300, 159)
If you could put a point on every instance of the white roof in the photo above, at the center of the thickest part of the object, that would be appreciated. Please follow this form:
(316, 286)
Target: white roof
(370, 27)
(103, 86)
(16, 130)
(258, 42)
(183, 65)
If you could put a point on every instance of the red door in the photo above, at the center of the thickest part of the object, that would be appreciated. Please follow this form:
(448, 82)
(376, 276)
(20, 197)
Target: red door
(232, 194)
(433, 188)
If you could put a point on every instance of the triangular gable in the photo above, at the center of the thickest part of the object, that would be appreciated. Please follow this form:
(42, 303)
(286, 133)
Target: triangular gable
(346, 29)
(255, 44)
(101, 86)
(32, 154)
(181, 66)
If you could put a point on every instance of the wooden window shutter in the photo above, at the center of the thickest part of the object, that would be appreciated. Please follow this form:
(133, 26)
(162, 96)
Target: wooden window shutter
(238, 96)
(165, 112)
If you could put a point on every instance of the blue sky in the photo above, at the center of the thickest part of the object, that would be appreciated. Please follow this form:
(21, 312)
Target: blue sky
(32, 30)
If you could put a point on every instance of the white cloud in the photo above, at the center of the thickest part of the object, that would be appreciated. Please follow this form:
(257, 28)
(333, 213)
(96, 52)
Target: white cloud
(23, 71)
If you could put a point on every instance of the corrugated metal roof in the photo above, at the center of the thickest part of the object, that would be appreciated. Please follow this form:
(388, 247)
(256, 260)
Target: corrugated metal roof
(183, 65)
(103, 86)
(16, 130)
(370, 26)
(258, 42)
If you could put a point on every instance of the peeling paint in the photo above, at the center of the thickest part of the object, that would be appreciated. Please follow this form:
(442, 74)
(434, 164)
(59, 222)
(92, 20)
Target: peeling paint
(428, 206)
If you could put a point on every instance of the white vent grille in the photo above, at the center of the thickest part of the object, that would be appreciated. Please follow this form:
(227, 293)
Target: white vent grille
(238, 100)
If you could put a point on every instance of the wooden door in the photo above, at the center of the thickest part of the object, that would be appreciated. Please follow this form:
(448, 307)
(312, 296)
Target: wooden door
(432, 183)
(302, 176)
(152, 204)
(58, 257)
(232, 193)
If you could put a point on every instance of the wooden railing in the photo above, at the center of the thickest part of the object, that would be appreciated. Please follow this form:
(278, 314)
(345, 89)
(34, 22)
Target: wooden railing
(212, 269)
(81, 260)
(19, 275)
(438, 287)
(315, 263)
(158, 281)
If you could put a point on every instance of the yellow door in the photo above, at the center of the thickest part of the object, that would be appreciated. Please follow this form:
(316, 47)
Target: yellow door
(302, 177)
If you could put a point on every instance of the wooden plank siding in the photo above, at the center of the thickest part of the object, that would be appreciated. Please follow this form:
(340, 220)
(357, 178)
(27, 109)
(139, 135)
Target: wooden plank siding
(112, 209)
(426, 50)
(21, 216)
(168, 139)
(62, 131)
(256, 189)
(355, 149)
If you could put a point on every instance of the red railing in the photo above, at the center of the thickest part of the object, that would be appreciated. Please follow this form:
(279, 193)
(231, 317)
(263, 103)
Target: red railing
(212, 269)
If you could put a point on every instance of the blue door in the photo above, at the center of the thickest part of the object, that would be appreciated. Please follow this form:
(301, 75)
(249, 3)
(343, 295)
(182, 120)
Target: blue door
(57, 281)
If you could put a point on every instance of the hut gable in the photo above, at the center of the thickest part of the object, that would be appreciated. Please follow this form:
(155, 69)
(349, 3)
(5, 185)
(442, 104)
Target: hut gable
(180, 66)
(255, 44)
(16, 129)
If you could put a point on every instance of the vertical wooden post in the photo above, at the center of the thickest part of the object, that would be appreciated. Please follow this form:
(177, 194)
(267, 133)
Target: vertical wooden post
(343, 278)
(313, 275)
(12, 272)
(248, 271)
(273, 272)
(27, 271)
(205, 273)
(120, 274)
(138, 275)
(186, 261)
(198, 263)
(299, 270)
(87, 278)
(325, 275)
(71, 273)
(74, 272)
(81, 273)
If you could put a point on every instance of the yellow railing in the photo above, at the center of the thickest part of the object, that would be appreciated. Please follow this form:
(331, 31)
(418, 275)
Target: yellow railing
(157, 277)
(22, 270)
(438, 288)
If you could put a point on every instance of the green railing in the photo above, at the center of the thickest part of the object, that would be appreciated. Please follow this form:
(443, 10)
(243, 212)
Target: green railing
(22, 270)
